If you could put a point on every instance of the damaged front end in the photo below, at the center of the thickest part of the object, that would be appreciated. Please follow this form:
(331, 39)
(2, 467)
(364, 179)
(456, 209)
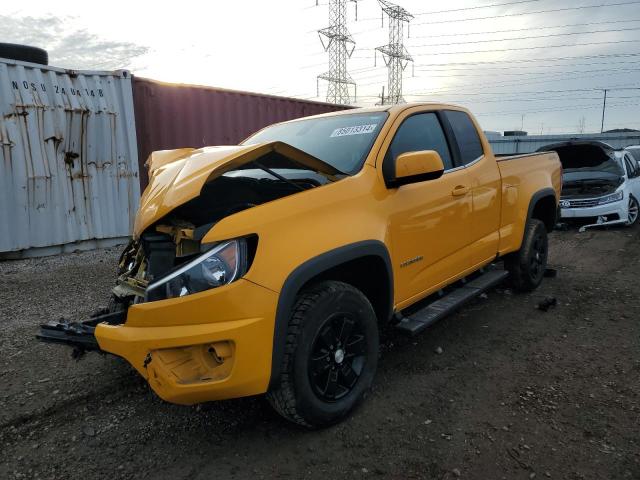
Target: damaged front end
(189, 192)
(79, 335)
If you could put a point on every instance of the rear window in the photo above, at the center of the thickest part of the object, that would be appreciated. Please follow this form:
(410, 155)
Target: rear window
(466, 135)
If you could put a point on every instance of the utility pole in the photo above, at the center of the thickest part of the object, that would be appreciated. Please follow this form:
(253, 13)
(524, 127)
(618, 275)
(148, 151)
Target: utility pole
(604, 108)
(382, 97)
(337, 41)
(395, 55)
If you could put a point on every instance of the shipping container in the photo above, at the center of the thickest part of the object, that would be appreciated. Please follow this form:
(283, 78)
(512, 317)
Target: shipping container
(531, 143)
(68, 163)
(172, 116)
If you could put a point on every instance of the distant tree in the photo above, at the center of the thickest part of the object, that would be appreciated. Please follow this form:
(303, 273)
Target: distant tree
(622, 130)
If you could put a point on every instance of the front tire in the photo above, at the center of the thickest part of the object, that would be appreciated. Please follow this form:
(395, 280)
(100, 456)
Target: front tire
(330, 356)
(634, 209)
(527, 266)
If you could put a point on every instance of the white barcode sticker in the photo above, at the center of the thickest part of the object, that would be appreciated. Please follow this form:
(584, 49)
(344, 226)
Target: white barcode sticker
(355, 130)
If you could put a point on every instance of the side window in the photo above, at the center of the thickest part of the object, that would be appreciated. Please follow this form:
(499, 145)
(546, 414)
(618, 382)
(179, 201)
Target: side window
(632, 168)
(418, 132)
(466, 135)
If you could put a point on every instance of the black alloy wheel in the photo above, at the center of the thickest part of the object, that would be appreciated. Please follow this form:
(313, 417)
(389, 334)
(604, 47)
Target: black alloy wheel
(538, 258)
(527, 266)
(330, 357)
(338, 356)
(634, 209)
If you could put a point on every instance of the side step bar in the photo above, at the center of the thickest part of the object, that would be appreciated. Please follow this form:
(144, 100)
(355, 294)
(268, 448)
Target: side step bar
(423, 318)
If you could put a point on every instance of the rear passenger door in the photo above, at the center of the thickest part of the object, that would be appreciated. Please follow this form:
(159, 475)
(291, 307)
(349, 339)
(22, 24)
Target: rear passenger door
(485, 181)
(428, 221)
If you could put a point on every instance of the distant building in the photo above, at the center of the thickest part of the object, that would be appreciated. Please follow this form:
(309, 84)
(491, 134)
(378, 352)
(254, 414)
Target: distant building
(515, 133)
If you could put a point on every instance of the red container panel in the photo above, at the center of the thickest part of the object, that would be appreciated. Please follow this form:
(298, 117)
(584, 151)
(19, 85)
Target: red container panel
(170, 116)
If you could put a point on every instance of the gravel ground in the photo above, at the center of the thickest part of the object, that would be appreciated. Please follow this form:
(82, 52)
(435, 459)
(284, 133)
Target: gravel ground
(515, 393)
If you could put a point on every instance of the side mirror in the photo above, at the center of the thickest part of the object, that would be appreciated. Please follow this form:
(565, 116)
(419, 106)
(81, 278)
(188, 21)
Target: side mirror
(413, 167)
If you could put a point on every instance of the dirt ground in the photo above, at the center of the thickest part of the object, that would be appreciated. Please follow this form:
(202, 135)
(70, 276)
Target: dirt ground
(516, 393)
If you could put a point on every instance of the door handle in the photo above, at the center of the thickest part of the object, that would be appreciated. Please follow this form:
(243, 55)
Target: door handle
(460, 190)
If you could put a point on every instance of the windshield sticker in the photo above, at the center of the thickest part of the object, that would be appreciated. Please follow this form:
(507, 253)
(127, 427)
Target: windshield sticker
(355, 130)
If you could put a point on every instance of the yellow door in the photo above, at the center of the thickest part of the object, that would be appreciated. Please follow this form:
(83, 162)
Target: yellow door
(485, 183)
(430, 221)
(485, 226)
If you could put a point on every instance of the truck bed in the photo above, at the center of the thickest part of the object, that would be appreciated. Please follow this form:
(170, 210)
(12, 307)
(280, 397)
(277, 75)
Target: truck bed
(522, 178)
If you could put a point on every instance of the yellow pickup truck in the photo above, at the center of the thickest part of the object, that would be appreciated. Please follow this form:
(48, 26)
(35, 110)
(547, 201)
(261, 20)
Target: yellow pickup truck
(270, 266)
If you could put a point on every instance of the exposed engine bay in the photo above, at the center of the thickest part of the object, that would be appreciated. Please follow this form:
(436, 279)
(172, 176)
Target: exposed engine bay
(590, 169)
(589, 188)
(176, 238)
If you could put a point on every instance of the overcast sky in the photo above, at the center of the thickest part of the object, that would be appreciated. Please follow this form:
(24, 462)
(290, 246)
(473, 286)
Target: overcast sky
(547, 84)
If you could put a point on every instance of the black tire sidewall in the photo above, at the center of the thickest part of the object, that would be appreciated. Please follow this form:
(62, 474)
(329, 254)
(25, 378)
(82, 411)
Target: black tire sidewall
(536, 229)
(24, 53)
(313, 409)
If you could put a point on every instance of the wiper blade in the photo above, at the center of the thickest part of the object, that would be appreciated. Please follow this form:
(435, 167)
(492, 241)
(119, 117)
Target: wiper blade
(278, 176)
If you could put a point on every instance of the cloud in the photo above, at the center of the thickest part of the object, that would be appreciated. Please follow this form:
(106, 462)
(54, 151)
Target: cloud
(70, 47)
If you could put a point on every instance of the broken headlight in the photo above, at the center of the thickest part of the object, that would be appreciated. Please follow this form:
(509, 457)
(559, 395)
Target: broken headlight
(614, 197)
(221, 264)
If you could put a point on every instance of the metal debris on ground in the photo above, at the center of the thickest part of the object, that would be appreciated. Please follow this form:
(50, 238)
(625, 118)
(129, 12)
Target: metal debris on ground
(547, 303)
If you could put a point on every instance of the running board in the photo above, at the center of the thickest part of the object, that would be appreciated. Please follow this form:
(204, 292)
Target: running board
(437, 310)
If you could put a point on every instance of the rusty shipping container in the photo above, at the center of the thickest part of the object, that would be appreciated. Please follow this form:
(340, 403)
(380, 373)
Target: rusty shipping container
(68, 159)
(172, 116)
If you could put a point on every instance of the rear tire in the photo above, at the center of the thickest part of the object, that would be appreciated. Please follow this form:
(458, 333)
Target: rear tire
(330, 358)
(527, 266)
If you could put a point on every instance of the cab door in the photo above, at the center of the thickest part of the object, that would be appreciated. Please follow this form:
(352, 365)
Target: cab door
(486, 184)
(429, 221)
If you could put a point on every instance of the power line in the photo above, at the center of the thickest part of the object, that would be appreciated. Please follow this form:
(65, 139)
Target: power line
(538, 74)
(533, 60)
(531, 37)
(464, 34)
(612, 42)
(477, 7)
(547, 110)
(555, 10)
(535, 92)
(515, 67)
(518, 14)
(511, 62)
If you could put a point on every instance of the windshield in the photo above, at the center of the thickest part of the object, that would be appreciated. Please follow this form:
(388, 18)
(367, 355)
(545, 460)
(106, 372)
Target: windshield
(342, 141)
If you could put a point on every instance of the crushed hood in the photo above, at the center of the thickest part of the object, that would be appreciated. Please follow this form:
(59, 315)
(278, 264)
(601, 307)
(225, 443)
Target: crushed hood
(177, 176)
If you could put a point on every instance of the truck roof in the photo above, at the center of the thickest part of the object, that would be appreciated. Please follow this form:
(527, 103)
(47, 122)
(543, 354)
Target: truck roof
(393, 109)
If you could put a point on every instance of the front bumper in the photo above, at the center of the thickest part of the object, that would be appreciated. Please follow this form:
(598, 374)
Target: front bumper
(208, 346)
(607, 210)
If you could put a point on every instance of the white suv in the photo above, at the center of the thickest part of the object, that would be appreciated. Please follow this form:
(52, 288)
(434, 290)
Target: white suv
(599, 183)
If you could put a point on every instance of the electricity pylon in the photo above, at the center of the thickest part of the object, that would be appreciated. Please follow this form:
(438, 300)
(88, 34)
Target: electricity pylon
(337, 40)
(395, 55)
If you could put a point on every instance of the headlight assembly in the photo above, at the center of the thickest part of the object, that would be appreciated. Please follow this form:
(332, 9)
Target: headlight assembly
(614, 197)
(221, 264)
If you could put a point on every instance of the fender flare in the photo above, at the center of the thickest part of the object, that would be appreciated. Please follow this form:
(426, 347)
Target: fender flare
(539, 195)
(306, 272)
